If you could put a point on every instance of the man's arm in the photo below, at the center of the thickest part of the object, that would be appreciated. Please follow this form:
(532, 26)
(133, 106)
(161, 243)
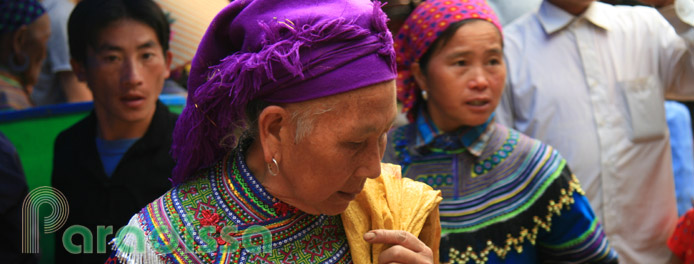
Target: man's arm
(676, 51)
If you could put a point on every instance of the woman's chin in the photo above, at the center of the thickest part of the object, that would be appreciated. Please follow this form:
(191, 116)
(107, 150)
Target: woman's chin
(335, 208)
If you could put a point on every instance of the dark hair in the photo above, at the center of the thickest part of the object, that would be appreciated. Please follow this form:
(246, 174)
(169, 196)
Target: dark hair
(90, 17)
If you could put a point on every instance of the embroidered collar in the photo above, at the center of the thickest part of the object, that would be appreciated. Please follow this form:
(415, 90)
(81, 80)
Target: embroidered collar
(472, 139)
(253, 192)
(553, 18)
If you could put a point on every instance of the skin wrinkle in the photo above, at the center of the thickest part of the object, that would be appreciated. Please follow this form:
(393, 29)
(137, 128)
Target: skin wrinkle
(318, 175)
(303, 116)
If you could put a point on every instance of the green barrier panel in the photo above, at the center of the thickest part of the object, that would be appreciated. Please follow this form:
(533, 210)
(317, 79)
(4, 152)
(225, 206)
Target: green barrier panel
(33, 133)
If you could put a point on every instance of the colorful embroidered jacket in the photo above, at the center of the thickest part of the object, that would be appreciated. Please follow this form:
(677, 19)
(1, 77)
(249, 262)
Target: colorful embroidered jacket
(225, 216)
(507, 198)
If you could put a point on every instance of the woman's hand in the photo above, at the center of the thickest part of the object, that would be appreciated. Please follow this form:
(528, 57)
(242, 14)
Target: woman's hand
(406, 248)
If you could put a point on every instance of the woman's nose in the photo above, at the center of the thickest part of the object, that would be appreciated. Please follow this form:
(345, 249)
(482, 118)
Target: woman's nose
(479, 79)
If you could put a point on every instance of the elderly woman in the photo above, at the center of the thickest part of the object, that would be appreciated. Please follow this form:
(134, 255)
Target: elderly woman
(24, 31)
(507, 198)
(280, 144)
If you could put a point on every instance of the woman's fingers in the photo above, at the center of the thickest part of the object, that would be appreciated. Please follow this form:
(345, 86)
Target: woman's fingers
(406, 247)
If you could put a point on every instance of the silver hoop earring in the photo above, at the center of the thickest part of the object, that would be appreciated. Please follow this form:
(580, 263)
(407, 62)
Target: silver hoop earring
(269, 167)
(18, 68)
(425, 95)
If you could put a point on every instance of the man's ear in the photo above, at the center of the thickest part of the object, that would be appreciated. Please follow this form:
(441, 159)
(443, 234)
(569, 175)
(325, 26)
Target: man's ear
(419, 76)
(79, 69)
(273, 131)
(168, 58)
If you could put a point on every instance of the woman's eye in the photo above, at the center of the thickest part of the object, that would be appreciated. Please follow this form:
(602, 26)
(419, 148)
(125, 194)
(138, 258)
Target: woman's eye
(461, 63)
(357, 144)
(495, 61)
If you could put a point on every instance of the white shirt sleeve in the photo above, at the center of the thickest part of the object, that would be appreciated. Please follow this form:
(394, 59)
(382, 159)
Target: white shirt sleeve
(676, 51)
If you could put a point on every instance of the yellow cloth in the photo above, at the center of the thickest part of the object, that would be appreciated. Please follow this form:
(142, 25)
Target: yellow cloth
(391, 202)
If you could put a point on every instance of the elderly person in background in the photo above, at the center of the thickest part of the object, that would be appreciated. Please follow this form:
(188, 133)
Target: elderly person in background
(24, 31)
(508, 198)
(282, 137)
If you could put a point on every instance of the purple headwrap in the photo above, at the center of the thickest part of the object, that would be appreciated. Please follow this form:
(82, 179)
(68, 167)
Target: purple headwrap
(16, 13)
(276, 51)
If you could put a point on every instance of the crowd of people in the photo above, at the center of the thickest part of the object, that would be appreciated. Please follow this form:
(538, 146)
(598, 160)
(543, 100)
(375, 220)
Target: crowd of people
(536, 136)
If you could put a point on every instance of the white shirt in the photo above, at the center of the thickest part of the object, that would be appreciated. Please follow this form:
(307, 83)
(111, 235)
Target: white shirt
(593, 87)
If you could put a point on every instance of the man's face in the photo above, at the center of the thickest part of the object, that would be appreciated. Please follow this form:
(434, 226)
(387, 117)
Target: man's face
(125, 70)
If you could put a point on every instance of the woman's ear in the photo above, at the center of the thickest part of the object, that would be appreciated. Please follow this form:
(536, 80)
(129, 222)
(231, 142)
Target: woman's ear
(19, 39)
(273, 127)
(419, 76)
(18, 42)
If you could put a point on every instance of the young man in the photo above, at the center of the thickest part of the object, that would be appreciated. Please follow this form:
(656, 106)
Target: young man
(116, 160)
(589, 79)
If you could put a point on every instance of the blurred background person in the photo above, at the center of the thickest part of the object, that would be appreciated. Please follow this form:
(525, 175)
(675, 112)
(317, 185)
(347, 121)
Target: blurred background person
(681, 140)
(57, 82)
(13, 191)
(590, 79)
(24, 32)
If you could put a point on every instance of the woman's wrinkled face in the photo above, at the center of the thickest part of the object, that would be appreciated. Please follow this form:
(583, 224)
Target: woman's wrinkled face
(465, 77)
(35, 47)
(328, 168)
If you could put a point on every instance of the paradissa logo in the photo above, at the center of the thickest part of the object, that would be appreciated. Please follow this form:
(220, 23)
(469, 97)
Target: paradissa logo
(255, 239)
(30, 215)
(130, 240)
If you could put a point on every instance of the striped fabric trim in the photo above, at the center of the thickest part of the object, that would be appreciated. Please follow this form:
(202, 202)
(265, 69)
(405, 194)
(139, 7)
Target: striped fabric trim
(589, 246)
(517, 241)
(527, 196)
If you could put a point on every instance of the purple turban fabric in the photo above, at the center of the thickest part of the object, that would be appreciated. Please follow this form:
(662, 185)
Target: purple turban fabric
(16, 13)
(276, 51)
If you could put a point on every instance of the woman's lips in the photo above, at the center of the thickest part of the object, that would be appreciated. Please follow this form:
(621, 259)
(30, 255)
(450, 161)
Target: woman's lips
(478, 104)
(347, 195)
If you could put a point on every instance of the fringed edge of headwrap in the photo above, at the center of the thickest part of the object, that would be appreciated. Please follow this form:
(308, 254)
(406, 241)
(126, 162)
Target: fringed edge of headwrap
(149, 255)
(380, 20)
(205, 128)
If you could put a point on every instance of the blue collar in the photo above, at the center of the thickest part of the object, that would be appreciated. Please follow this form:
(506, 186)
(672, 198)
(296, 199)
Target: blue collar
(472, 139)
